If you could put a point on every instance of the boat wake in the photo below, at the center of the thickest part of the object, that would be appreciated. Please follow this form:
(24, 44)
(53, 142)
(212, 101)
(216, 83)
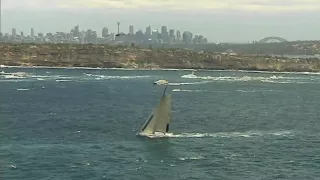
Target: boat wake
(188, 83)
(156, 135)
(97, 77)
(188, 90)
(24, 76)
(265, 79)
(248, 134)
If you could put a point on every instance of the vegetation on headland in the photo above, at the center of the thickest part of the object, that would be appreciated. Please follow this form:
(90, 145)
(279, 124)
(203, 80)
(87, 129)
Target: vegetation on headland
(283, 48)
(106, 56)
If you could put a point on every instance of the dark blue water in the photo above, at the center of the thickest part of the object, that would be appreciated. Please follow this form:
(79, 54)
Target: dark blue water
(81, 124)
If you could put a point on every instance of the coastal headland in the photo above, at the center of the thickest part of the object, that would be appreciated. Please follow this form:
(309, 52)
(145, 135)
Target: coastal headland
(107, 56)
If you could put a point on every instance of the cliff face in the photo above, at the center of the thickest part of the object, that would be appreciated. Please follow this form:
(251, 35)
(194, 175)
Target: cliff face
(124, 57)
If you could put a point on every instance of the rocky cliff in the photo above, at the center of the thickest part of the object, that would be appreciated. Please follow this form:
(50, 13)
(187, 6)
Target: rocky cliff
(132, 57)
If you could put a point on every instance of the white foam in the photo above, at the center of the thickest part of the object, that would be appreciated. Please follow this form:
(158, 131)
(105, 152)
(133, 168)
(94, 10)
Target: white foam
(62, 80)
(188, 83)
(190, 76)
(266, 79)
(13, 77)
(156, 135)
(247, 134)
(114, 77)
(191, 158)
(255, 90)
(22, 89)
(187, 90)
(39, 76)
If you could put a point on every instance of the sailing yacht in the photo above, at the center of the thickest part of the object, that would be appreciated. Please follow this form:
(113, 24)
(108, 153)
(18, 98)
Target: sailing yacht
(158, 122)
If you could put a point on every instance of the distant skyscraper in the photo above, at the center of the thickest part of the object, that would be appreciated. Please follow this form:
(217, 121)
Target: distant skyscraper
(131, 30)
(112, 36)
(195, 40)
(139, 36)
(40, 35)
(205, 40)
(164, 34)
(32, 32)
(89, 37)
(105, 32)
(155, 35)
(200, 39)
(72, 32)
(171, 33)
(178, 35)
(14, 32)
(148, 31)
(171, 36)
(164, 30)
(76, 31)
(187, 37)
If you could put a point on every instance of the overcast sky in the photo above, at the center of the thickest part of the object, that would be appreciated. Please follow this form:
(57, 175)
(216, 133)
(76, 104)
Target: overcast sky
(219, 20)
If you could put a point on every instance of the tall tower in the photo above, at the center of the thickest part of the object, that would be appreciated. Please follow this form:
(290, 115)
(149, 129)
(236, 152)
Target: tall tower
(117, 23)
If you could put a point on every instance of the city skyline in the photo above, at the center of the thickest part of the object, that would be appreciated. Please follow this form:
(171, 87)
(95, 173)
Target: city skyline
(76, 35)
(220, 24)
(126, 30)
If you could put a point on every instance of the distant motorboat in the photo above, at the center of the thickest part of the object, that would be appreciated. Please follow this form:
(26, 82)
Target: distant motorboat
(161, 82)
(192, 75)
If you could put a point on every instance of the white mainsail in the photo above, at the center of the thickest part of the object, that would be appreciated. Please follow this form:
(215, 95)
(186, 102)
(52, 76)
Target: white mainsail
(160, 118)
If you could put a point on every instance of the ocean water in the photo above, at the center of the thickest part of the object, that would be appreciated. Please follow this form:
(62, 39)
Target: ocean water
(61, 124)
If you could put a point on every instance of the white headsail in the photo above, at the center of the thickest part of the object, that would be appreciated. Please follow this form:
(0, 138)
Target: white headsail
(160, 118)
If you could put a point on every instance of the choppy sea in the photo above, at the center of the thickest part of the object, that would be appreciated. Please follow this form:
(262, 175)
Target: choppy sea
(67, 124)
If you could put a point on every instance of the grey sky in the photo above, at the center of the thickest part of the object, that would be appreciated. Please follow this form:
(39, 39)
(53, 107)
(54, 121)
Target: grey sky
(219, 20)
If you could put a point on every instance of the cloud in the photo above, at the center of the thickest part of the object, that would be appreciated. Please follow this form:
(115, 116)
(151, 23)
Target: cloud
(242, 5)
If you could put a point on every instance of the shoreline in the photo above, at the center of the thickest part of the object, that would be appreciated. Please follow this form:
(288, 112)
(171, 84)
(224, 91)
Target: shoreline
(133, 58)
(161, 69)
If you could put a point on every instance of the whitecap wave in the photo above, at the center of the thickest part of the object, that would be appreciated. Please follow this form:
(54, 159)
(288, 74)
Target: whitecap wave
(188, 83)
(191, 158)
(266, 79)
(188, 90)
(21, 89)
(13, 77)
(60, 78)
(114, 77)
(63, 80)
(190, 76)
(255, 90)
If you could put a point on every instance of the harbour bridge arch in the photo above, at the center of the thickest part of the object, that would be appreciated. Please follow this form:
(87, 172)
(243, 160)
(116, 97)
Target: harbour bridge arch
(264, 40)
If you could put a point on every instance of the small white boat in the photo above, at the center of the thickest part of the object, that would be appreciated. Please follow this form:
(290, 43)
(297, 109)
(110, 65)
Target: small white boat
(192, 75)
(161, 82)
